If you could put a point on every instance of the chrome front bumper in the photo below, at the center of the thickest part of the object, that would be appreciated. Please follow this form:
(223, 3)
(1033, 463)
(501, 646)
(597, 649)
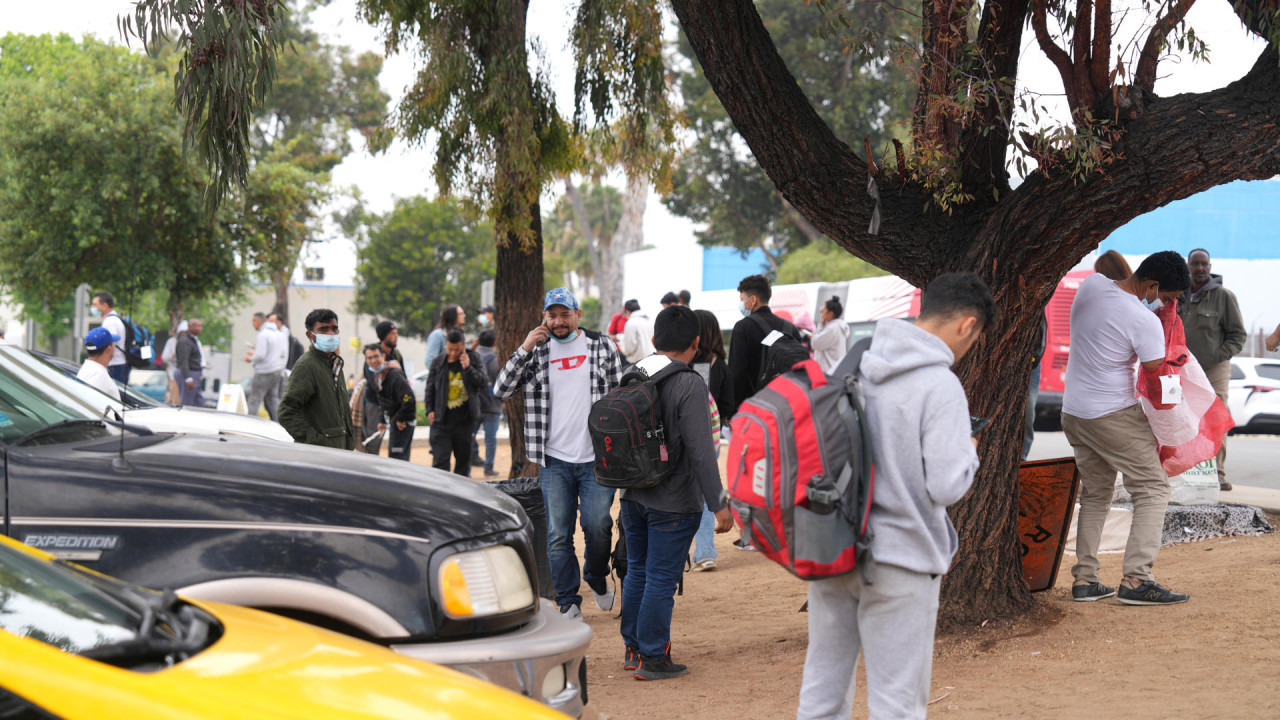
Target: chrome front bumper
(530, 660)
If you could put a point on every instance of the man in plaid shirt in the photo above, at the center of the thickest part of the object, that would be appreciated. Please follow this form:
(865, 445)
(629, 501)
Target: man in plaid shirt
(562, 366)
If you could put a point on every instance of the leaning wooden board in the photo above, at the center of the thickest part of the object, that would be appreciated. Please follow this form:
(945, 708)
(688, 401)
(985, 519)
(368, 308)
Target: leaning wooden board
(1046, 497)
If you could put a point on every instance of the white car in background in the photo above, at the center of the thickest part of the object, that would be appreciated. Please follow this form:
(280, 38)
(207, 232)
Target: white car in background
(1253, 395)
(157, 418)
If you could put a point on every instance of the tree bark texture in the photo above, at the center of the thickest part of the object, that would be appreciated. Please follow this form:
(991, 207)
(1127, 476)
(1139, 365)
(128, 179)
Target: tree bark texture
(280, 281)
(628, 237)
(1021, 244)
(518, 295)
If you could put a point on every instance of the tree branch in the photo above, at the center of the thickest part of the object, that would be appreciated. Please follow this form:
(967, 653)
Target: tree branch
(1181, 146)
(814, 171)
(1080, 39)
(1056, 55)
(986, 138)
(1145, 77)
(1100, 57)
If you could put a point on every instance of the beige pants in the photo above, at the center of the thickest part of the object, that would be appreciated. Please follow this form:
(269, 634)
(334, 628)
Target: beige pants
(1119, 442)
(1219, 378)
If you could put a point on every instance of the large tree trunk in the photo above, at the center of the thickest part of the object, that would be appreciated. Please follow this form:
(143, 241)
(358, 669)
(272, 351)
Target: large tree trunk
(518, 294)
(280, 282)
(1021, 242)
(628, 237)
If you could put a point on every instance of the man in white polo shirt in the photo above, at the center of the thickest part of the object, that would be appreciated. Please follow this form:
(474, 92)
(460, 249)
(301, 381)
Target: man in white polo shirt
(100, 344)
(1113, 326)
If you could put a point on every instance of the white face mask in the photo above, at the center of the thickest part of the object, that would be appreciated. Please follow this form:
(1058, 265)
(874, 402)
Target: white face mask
(1154, 306)
(483, 320)
(742, 308)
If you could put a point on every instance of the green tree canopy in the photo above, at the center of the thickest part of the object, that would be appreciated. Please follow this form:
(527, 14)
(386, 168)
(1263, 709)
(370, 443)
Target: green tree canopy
(823, 261)
(94, 185)
(419, 257)
(719, 183)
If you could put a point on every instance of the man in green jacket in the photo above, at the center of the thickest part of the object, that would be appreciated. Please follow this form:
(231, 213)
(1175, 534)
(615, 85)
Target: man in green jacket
(1215, 332)
(316, 408)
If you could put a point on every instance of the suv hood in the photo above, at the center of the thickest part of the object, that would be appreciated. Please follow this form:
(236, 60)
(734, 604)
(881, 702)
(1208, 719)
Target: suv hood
(209, 476)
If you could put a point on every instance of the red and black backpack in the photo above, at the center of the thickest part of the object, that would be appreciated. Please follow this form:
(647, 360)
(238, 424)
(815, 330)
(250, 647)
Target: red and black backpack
(801, 473)
(627, 430)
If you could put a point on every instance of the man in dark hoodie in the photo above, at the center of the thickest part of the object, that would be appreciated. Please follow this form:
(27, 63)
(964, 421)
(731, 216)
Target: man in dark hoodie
(660, 521)
(1215, 332)
(454, 388)
(889, 613)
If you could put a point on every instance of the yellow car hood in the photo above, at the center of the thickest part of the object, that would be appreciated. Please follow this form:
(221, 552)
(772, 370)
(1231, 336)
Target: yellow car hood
(263, 666)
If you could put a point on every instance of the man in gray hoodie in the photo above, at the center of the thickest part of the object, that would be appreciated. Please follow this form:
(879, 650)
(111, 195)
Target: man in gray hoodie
(890, 612)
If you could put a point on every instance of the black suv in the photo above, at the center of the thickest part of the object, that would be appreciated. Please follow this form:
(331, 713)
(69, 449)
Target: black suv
(432, 565)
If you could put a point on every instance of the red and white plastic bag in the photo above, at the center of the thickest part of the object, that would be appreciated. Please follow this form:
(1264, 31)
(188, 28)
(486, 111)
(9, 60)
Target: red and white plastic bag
(1188, 419)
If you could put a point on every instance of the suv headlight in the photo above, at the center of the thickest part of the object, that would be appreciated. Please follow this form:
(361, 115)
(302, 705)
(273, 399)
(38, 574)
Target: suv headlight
(490, 581)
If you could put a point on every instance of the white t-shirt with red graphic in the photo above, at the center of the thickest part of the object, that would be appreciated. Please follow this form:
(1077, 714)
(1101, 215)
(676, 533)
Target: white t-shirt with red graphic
(570, 373)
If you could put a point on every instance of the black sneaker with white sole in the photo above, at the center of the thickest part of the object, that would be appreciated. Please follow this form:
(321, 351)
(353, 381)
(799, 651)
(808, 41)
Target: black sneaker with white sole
(1091, 592)
(1149, 593)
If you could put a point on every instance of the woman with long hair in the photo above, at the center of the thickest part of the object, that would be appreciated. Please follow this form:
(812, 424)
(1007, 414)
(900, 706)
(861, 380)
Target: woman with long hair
(1112, 265)
(710, 362)
(831, 342)
(452, 316)
(711, 353)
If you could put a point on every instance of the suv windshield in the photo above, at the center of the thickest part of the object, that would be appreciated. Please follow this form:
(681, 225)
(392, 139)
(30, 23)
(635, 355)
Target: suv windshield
(53, 604)
(34, 395)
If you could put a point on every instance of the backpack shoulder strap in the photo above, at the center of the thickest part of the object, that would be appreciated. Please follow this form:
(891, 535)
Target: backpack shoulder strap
(764, 326)
(853, 360)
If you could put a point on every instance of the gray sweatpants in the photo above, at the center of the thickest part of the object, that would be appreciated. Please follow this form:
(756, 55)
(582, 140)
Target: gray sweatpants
(891, 621)
(264, 387)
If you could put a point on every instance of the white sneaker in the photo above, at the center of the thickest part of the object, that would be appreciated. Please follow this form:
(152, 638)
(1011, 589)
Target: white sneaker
(573, 612)
(605, 601)
(704, 565)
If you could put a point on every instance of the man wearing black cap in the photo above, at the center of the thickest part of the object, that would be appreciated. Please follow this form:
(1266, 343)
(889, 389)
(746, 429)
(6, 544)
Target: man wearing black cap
(388, 336)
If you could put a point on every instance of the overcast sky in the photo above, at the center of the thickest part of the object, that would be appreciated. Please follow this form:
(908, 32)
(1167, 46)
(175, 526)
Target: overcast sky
(404, 171)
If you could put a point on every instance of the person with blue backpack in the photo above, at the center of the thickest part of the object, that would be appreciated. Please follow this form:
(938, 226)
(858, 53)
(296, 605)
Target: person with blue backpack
(103, 305)
(888, 609)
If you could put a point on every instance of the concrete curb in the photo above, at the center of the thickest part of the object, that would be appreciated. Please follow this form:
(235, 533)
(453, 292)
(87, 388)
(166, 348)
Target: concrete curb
(1265, 498)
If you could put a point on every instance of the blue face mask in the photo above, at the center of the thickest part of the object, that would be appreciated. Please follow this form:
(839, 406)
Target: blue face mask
(742, 308)
(571, 338)
(326, 343)
(94, 311)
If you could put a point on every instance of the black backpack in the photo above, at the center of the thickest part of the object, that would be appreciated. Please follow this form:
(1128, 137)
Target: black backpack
(780, 356)
(627, 431)
(139, 344)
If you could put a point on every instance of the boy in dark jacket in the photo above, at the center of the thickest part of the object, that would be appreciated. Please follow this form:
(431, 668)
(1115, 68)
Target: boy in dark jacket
(316, 408)
(395, 400)
(660, 521)
(455, 386)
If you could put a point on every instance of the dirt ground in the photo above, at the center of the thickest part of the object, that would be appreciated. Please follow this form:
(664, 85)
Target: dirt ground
(739, 630)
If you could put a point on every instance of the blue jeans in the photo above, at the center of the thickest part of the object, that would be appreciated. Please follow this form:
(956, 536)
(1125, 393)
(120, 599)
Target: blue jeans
(489, 421)
(657, 544)
(119, 373)
(567, 488)
(704, 541)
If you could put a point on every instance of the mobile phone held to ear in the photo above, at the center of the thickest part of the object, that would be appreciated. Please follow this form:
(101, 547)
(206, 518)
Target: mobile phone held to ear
(976, 424)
